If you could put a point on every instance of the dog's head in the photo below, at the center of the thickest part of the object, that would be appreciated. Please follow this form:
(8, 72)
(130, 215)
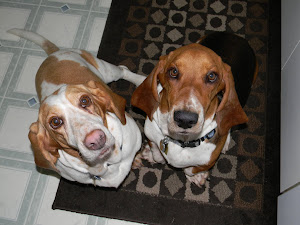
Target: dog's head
(73, 119)
(185, 85)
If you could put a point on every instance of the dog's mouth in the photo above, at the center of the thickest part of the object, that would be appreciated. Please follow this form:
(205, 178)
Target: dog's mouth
(104, 152)
(98, 157)
(183, 135)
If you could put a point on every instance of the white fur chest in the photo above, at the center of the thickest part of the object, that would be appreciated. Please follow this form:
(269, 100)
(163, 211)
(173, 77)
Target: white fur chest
(178, 156)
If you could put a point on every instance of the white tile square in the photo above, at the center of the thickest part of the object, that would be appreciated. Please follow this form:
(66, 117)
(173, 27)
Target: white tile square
(96, 34)
(26, 82)
(47, 216)
(13, 187)
(80, 2)
(105, 3)
(15, 127)
(59, 28)
(12, 18)
(5, 59)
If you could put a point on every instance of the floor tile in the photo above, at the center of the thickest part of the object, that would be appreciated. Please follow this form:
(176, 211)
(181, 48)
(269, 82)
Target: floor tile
(101, 5)
(63, 29)
(93, 32)
(15, 16)
(74, 4)
(16, 117)
(8, 59)
(22, 84)
(13, 187)
(49, 217)
(19, 184)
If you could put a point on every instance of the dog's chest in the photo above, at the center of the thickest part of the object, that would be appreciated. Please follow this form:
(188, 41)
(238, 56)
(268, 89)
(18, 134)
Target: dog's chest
(176, 155)
(184, 157)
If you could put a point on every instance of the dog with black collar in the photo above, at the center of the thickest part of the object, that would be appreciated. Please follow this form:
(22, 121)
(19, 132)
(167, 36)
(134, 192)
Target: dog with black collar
(192, 98)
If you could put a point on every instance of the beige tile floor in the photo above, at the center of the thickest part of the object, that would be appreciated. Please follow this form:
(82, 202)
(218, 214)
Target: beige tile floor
(26, 195)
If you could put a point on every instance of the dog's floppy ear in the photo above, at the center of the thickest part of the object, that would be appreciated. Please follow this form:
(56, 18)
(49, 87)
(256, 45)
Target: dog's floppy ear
(113, 102)
(229, 112)
(45, 149)
(145, 97)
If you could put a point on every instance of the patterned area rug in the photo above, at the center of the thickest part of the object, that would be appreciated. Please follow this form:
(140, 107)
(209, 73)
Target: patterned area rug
(137, 33)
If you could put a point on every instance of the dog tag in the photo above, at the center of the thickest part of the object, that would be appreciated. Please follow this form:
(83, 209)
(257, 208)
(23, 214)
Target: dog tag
(94, 177)
(164, 145)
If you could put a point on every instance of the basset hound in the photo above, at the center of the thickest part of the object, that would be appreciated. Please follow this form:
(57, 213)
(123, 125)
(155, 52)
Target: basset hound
(82, 131)
(192, 100)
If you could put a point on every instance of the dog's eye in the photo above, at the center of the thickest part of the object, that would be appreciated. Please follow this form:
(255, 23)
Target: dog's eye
(85, 101)
(173, 72)
(211, 77)
(56, 122)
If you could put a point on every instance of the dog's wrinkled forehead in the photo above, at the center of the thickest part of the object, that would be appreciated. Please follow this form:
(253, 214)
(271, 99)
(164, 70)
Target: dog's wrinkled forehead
(64, 95)
(53, 104)
(194, 56)
(56, 98)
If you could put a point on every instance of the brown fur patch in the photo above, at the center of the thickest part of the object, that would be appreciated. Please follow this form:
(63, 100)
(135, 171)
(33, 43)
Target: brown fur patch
(63, 72)
(89, 58)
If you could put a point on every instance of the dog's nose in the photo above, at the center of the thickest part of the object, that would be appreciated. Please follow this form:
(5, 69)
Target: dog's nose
(185, 119)
(95, 140)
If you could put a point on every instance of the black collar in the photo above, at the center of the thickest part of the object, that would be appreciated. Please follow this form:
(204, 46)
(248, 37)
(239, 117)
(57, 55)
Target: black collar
(184, 144)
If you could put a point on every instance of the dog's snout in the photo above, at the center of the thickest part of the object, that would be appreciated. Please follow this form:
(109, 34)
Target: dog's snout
(95, 140)
(185, 119)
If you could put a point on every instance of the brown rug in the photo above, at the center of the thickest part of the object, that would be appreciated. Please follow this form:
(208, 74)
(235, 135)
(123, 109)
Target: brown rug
(239, 190)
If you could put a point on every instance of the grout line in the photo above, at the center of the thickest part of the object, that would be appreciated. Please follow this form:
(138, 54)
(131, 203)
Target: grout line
(32, 200)
(86, 24)
(24, 3)
(18, 99)
(17, 159)
(290, 55)
(12, 74)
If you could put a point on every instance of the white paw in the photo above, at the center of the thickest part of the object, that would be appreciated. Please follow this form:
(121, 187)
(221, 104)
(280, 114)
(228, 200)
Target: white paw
(137, 162)
(199, 179)
(147, 153)
(152, 154)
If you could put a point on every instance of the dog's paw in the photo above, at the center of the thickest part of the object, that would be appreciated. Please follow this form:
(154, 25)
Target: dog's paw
(199, 179)
(137, 162)
(147, 154)
(152, 154)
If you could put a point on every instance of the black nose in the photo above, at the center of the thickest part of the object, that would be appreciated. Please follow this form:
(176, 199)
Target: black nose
(185, 119)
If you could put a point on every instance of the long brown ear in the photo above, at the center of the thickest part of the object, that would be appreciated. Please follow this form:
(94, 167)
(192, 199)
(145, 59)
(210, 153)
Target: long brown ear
(145, 97)
(230, 112)
(114, 103)
(45, 149)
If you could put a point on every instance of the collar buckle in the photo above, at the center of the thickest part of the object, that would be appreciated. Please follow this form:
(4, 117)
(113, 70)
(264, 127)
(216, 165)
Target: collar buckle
(164, 145)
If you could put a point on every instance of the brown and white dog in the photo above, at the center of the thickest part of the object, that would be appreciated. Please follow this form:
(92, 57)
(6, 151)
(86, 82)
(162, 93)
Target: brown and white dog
(82, 131)
(191, 102)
